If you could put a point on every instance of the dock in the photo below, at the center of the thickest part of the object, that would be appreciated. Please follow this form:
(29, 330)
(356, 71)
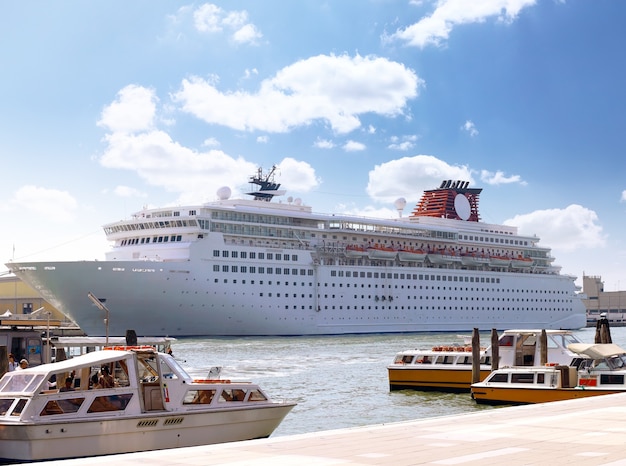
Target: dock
(589, 431)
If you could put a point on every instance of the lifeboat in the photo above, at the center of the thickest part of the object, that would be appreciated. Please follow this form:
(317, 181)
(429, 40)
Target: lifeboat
(378, 251)
(411, 255)
(354, 250)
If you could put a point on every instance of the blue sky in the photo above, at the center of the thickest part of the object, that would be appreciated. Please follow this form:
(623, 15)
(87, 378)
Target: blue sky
(109, 106)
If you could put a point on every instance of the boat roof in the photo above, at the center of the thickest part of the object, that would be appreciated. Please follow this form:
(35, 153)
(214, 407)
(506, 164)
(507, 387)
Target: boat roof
(88, 359)
(536, 330)
(596, 350)
(82, 341)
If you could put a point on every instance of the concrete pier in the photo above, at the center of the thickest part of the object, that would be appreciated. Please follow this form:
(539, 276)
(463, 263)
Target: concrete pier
(589, 431)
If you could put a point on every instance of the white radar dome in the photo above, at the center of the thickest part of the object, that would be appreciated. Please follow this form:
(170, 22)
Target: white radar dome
(400, 203)
(223, 193)
(297, 201)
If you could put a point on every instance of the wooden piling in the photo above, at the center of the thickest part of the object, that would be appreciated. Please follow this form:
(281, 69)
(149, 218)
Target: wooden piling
(475, 356)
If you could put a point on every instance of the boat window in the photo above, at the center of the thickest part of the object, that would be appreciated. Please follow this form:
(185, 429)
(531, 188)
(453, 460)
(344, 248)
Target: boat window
(506, 340)
(234, 394)
(5, 404)
(199, 397)
(256, 395)
(110, 403)
(19, 382)
(448, 359)
(64, 406)
(467, 360)
(501, 377)
(407, 359)
(611, 379)
(522, 377)
(19, 407)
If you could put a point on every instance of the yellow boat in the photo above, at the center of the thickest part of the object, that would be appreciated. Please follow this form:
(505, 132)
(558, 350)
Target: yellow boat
(449, 368)
(599, 369)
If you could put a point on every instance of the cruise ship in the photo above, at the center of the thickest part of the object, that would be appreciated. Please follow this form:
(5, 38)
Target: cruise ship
(258, 266)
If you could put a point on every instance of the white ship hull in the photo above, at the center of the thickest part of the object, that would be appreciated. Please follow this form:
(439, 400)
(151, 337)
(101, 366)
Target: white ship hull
(188, 298)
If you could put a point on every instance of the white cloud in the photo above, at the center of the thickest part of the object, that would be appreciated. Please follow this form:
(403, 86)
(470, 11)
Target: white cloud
(436, 28)
(126, 191)
(160, 161)
(334, 89)
(469, 127)
(211, 142)
(404, 144)
(499, 178)
(563, 229)
(408, 177)
(297, 176)
(323, 144)
(133, 110)
(51, 205)
(247, 34)
(211, 19)
(353, 146)
(623, 198)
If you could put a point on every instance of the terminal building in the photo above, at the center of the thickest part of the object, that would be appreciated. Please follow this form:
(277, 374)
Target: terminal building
(598, 302)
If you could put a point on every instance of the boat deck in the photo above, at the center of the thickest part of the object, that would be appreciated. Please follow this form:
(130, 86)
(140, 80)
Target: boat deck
(586, 431)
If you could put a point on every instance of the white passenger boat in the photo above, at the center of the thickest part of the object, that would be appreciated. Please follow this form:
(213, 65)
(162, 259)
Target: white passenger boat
(151, 404)
(449, 367)
(600, 369)
(254, 267)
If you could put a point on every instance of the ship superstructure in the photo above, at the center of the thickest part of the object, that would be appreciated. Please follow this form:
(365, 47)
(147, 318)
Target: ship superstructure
(257, 267)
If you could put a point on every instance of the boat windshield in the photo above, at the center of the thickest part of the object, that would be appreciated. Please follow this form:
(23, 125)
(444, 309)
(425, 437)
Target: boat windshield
(17, 381)
(562, 340)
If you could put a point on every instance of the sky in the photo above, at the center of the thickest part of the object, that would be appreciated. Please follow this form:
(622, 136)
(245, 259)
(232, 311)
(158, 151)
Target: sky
(107, 107)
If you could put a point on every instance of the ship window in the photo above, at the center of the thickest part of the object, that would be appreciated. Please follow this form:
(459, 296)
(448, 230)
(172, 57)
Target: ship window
(234, 268)
(261, 269)
(216, 268)
(244, 255)
(261, 255)
(224, 268)
(270, 270)
(270, 256)
(216, 253)
(294, 257)
(234, 254)
(252, 269)
(253, 255)
(224, 253)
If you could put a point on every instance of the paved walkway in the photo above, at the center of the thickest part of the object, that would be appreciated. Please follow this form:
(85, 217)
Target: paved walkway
(589, 431)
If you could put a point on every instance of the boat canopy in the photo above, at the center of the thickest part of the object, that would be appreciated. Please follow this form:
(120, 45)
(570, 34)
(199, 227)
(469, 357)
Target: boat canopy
(598, 350)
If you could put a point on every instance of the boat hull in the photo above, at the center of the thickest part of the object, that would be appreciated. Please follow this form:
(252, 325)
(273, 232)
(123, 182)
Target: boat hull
(29, 442)
(456, 380)
(527, 395)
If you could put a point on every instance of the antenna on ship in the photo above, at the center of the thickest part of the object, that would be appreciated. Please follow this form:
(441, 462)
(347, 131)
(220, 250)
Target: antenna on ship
(268, 187)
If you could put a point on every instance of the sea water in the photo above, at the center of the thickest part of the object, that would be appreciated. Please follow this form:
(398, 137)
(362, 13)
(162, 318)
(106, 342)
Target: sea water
(337, 381)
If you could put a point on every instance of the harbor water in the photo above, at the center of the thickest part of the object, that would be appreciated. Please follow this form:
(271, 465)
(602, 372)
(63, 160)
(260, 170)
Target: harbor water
(337, 381)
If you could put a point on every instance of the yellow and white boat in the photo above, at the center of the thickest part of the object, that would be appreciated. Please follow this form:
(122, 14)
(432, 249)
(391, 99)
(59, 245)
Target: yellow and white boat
(449, 368)
(600, 369)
